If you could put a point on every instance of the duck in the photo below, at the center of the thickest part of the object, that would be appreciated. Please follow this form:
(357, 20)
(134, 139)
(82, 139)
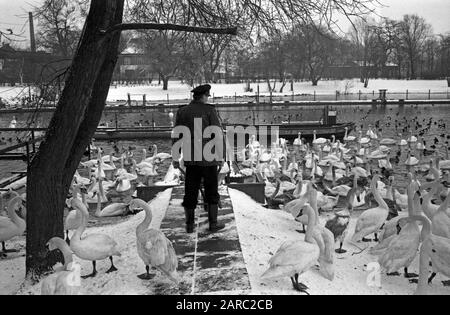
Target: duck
(92, 247)
(373, 219)
(339, 223)
(294, 258)
(153, 247)
(62, 282)
(12, 226)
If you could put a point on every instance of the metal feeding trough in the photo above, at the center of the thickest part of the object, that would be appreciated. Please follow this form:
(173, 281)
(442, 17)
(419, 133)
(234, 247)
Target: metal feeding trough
(254, 190)
(148, 193)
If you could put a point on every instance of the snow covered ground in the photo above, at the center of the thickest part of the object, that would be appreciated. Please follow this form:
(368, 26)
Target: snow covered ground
(179, 91)
(261, 232)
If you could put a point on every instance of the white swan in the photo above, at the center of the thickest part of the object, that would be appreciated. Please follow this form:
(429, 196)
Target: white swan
(348, 138)
(92, 247)
(436, 249)
(294, 258)
(371, 220)
(74, 218)
(403, 248)
(12, 226)
(153, 247)
(62, 282)
(318, 141)
(113, 210)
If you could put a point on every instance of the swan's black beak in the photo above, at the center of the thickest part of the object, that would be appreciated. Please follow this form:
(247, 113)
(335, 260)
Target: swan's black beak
(358, 198)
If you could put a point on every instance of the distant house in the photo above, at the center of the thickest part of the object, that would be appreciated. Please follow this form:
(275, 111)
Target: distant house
(19, 66)
(353, 69)
(133, 66)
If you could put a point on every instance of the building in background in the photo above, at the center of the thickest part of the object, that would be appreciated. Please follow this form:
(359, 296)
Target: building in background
(134, 66)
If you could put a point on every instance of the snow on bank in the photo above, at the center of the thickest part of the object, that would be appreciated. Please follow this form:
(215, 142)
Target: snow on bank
(179, 91)
(261, 233)
(125, 281)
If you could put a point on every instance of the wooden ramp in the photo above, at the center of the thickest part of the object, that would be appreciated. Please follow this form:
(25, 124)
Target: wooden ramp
(208, 263)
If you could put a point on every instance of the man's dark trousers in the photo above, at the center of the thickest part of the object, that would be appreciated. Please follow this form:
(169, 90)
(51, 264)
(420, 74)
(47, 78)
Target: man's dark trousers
(194, 176)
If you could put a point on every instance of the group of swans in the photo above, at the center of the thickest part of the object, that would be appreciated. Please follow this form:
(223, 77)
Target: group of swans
(153, 247)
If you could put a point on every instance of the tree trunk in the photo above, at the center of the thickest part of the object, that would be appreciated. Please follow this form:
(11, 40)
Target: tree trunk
(165, 83)
(73, 124)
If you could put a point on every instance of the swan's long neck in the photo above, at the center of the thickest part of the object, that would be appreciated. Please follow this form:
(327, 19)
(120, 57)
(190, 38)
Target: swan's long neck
(148, 217)
(12, 213)
(377, 195)
(65, 250)
(84, 220)
(155, 148)
(312, 221)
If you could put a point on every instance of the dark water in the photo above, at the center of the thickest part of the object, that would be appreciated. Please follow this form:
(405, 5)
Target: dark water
(362, 116)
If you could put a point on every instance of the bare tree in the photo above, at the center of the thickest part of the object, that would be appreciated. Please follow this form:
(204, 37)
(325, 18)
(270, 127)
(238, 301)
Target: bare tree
(60, 23)
(414, 33)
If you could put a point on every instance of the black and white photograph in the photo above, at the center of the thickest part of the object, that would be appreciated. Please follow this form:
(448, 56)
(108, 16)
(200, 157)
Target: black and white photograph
(225, 153)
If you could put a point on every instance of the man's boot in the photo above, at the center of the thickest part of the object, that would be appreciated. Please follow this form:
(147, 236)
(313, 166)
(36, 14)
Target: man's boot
(214, 226)
(190, 220)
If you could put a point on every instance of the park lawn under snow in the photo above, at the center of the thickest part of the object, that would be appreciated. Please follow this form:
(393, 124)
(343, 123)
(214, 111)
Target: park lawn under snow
(180, 91)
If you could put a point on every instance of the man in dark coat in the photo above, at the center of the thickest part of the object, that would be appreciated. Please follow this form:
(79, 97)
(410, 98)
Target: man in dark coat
(204, 168)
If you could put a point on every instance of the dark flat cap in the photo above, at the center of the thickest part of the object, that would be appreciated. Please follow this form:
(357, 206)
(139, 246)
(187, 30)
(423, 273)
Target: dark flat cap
(202, 90)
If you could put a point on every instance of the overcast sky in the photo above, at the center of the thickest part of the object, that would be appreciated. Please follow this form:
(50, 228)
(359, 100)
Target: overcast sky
(436, 12)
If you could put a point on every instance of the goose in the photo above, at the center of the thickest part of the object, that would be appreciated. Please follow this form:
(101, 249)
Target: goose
(12, 226)
(348, 138)
(371, 220)
(62, 282)
(403, 248)
(339, 224)
(153, 247)
(92, 247)
(436, 249)
(294, 258)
